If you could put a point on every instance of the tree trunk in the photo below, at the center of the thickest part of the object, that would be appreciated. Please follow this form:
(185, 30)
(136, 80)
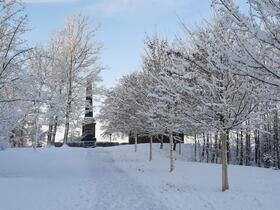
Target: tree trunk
(237, 148)
(54, 130)
(276, 162)
(228, 147)
(151, 148)
(199, 150)
(203, 148)
(241, 157)
(219, 151)
(207, 147)
(248, 149)
(49, 140)
(36, 133)
(174, 145)
(195, 145)
(68, 106)
(211, 148)
(66, 131)
(216, 149)
(225, 185)
(257, 148)
(161, 141)
(171, 153)
(135, 143)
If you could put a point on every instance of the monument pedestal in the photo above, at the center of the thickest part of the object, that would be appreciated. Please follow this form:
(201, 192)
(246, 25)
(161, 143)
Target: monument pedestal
(88, 133)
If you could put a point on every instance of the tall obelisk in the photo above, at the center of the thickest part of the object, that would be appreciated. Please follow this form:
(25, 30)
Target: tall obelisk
(88, 131)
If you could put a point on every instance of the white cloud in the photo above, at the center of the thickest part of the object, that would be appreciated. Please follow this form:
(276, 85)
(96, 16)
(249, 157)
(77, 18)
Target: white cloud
(115, 7)
(47, 1)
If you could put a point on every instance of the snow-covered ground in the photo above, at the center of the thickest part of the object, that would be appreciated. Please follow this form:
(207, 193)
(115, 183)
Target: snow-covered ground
(120, 179)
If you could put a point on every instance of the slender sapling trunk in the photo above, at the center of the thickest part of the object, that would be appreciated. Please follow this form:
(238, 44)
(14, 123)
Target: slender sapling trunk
(135, 143)
(151, 148)
(171, 153)
(225, 185)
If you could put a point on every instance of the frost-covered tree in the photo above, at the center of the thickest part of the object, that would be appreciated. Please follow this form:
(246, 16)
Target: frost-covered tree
(13, 54)
(77, 54)
(256, 50)
(164, 111)
(125, 107)
(224, 99)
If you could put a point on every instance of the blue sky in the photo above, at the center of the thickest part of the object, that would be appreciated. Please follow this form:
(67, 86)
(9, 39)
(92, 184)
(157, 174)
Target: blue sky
(124, 25)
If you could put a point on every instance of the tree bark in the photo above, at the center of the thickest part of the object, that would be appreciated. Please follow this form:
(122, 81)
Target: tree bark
(216, 149)
(36, 133)
(174, 145)
(135, 143)
(66, 131)
(54, 130)
(171, 153)
(237, 148)
(225, 185)
(257, 148)
(248, 149)
(276, 162)
(228, 148)
(195, 149)
(203, 148)
(161, 141)
(49, 140)
(151, 148)
(69, 102)
(241, 157)
(207, 147)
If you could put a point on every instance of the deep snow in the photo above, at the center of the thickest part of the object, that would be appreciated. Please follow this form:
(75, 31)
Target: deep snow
(120, 179)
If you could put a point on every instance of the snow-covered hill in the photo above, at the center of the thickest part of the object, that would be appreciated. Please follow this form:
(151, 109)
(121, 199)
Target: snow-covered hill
(120, 179)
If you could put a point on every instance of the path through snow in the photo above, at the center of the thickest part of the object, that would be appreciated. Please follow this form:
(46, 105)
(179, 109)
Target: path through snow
(115, 188)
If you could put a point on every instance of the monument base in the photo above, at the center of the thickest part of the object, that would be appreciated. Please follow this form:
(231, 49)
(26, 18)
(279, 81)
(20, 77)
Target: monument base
(88, 140)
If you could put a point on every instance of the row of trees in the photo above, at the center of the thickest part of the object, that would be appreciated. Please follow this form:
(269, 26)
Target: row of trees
(43, 87)
(219, 82)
